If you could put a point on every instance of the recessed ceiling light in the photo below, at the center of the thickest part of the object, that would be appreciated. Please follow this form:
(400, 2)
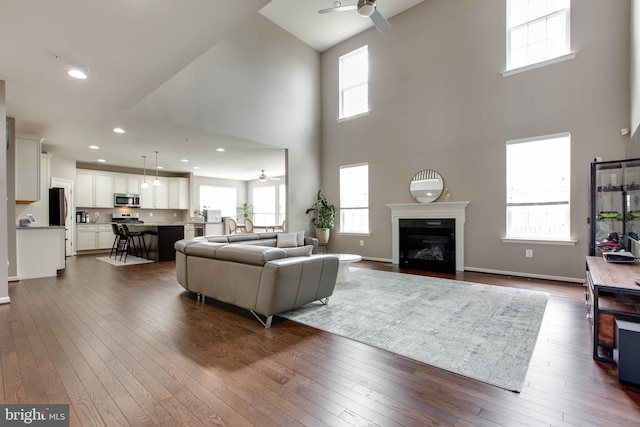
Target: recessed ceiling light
(196, 167)
(118, 130)
(94, 147)
(79, 72)
(159, 167)
(220, 150)
(102, 161)
(185, 160)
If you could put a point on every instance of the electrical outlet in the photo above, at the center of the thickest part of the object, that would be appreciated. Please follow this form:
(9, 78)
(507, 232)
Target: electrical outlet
(528, 253)
(175, 214)
(361, 242)
(150, 213)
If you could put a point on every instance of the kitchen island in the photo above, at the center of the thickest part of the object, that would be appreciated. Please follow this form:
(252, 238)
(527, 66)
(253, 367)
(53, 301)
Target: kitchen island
(159, 238)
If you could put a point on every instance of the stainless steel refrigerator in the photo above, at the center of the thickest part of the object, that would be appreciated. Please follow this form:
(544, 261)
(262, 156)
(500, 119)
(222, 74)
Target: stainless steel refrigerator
(57, 206)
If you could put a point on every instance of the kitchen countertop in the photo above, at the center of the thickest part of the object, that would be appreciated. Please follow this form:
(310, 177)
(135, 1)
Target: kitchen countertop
(40, 227)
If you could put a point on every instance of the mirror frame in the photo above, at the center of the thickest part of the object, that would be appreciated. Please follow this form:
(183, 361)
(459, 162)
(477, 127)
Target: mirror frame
(430, 194)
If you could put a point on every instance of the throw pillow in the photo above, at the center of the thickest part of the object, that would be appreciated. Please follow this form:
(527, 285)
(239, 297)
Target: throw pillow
(299, 251)
(287, 240)
(300, 236)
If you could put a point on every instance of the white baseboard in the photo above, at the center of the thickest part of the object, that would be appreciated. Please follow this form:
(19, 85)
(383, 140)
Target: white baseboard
(530, 275)
(13, 279)
(5, 300)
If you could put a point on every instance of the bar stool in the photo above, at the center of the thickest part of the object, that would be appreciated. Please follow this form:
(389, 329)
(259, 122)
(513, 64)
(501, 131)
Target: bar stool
(130, 236)
(118, 239)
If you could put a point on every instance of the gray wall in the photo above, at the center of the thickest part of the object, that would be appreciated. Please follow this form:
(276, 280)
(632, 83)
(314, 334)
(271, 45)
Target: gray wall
(4, 256)
(438, 100)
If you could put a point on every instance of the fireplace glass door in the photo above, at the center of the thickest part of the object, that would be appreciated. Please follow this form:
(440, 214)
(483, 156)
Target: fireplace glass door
(428, 244)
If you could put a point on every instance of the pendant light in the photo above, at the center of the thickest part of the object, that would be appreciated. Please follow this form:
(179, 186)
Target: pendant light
(156, 182)
(144, 182)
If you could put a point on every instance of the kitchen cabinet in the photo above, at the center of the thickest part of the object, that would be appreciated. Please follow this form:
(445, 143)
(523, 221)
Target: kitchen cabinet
(155, 197)
(615, 205)
(126, 183)
(94, 189)
(94, 236)
(105, 236)
(86, 237)
(27, 168)
(178, 193)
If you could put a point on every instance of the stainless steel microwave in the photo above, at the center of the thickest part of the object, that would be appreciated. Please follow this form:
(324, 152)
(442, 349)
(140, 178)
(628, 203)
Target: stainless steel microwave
(126, 200)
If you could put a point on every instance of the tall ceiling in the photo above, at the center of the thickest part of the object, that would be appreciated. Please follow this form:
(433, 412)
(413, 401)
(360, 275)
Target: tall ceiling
(132, 48)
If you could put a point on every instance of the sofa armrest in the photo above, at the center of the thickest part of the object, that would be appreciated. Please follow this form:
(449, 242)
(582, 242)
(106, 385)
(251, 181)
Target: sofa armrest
(313, 242)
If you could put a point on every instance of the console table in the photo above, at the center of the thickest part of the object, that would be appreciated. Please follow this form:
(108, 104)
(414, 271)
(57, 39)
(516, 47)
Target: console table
(611, 293)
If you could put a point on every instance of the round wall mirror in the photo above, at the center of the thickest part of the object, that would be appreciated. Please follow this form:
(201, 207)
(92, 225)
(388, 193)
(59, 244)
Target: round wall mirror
(426, 186)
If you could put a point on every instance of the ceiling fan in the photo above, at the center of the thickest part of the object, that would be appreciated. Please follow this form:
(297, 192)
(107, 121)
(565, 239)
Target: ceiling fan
(366, 8)
(264, 178)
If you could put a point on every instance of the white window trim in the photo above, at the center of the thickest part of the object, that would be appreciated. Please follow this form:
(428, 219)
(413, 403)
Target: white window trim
(529, 240)
(546, 62)
(570, 242)
(557, 59)
(353, 233)
(355, 116)
(340, 88)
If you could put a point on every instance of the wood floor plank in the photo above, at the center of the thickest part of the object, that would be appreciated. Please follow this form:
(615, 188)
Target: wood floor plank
(128, 346)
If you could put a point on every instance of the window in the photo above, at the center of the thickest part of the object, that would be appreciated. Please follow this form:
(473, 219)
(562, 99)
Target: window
(354, 83)
(221, 198)
(354, 199)
(282, 203)
(538, 188)
(264, 205)
(537, 30)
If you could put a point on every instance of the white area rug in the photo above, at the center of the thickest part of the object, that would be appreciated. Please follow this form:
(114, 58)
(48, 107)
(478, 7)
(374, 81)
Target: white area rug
(484, 332)
(131, 260)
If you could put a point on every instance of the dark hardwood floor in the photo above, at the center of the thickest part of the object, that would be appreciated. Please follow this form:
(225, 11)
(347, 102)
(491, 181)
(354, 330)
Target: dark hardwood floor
(128, 346)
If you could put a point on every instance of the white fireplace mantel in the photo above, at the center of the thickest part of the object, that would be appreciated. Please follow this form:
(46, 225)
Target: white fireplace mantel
(444, 210)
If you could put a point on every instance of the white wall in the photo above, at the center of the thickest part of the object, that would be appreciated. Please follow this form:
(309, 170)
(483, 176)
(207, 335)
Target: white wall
(438, 101)
(261, 84)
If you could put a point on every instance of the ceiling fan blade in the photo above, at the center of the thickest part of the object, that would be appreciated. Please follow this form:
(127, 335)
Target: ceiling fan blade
(338, 9)
(380, 22)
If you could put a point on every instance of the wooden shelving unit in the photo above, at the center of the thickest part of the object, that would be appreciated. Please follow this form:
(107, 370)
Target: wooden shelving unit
(611, 293)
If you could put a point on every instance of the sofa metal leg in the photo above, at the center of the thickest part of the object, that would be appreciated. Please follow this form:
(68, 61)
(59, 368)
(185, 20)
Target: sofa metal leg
(325, 300)
(267, 319)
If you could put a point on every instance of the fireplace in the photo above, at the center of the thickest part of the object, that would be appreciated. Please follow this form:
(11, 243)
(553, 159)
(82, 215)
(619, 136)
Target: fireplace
(428, 244)
(430, 211)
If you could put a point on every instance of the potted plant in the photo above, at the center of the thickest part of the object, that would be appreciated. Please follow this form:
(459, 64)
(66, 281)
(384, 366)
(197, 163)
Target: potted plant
(245, 210)
(323, 217)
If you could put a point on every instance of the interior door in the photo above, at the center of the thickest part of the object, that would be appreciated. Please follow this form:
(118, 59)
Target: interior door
(70, 222)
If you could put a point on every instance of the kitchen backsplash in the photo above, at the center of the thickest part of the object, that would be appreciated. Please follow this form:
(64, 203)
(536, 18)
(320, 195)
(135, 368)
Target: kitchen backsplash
(146, 215)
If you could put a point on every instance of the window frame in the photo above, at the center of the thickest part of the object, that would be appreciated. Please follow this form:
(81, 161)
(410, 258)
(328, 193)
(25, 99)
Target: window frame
(567, 54)
(553, 239)
(342, 208)
(342, 89)
(220, 187)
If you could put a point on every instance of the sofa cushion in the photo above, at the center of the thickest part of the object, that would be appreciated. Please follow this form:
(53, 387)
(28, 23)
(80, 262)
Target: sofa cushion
(249, 254)
(204, 249)
(287, 240)
(299, 251)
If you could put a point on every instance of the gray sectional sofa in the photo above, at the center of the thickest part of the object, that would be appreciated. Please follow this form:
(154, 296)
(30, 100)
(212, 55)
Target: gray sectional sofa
(266, 273)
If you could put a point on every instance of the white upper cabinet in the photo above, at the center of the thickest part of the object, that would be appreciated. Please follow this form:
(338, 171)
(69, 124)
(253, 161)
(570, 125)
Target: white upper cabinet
(155, 197)
(126, 183)
(178, 193)
(27, 168)
(94, 189)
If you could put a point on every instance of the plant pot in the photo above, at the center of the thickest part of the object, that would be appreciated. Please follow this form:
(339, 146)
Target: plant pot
(322, 234)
